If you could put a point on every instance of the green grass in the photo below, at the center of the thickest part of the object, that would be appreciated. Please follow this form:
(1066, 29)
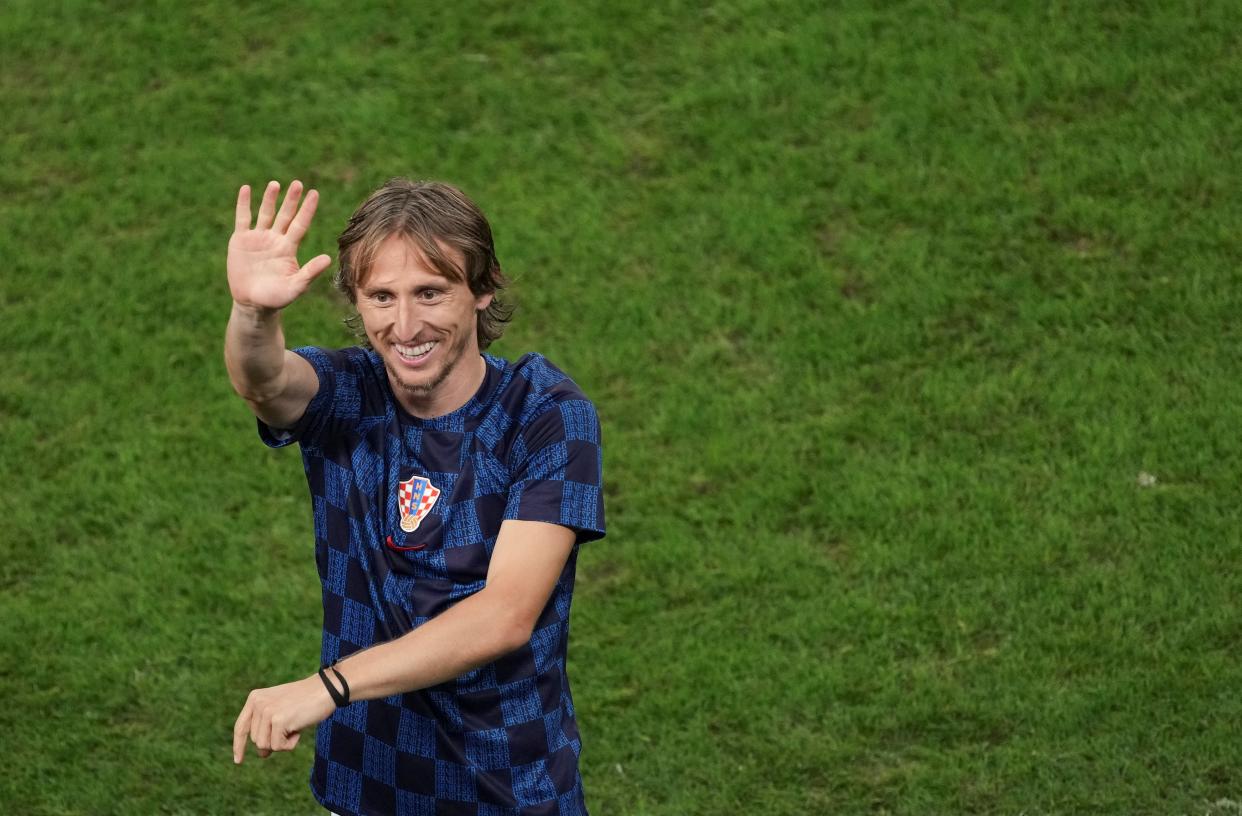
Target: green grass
(884, 307)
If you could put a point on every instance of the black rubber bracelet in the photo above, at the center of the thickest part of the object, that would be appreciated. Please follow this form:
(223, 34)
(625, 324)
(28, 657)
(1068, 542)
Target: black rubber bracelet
(337, 697)
(344, 685)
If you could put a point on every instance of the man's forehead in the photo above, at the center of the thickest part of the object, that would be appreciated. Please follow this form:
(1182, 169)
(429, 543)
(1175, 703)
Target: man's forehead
(400, 255)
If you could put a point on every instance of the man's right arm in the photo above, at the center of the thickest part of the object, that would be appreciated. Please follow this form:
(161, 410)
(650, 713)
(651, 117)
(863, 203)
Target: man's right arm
(264, 277)
(276, 383)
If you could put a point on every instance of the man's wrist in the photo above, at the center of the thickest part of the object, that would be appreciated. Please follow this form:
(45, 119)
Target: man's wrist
(254, 314)
(331, 677)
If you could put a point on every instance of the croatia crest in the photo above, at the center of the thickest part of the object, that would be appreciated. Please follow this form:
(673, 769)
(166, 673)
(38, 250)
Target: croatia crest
(415, 496)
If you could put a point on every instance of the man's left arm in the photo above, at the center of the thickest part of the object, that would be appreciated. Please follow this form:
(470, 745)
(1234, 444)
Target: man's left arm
(526, 563)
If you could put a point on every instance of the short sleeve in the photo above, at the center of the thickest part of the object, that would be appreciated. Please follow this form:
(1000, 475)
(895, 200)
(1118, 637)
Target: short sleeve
(558, 476)
(338, 396)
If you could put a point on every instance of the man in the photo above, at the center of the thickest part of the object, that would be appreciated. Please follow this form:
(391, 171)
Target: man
(450, 492)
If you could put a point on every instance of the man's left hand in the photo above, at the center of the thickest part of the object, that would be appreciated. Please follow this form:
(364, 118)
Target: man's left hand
(273, 718)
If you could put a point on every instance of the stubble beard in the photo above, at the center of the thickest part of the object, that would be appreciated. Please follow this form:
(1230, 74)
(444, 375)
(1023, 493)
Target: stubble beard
(426, 389)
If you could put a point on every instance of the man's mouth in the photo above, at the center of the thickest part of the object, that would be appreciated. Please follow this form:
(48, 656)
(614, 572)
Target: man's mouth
(414, 354)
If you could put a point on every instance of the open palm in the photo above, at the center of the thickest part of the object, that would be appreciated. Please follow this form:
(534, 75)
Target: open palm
(263, 261)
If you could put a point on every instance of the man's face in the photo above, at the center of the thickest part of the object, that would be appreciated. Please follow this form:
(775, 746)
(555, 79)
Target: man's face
(423, 326)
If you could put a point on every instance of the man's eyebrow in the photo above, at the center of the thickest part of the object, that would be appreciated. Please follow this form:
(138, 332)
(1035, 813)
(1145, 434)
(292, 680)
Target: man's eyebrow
(371, 289)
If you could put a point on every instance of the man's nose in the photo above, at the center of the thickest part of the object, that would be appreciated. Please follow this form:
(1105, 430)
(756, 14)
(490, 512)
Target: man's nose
(407, 320)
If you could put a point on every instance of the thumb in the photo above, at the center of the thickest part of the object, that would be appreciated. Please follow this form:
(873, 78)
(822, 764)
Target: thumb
(311, 269)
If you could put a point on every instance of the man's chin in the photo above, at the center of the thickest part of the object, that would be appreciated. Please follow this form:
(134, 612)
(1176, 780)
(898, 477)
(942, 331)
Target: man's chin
(418, 387)
(422, 387)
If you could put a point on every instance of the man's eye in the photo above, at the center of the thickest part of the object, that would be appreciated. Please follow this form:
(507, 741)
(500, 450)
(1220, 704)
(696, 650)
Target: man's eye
(430, 294)
(381, 297)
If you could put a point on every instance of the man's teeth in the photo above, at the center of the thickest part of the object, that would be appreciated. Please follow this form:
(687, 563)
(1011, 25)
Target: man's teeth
(415, 351)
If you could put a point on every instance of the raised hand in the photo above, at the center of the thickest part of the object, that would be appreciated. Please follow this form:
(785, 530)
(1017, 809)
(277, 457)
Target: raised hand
(263, 262)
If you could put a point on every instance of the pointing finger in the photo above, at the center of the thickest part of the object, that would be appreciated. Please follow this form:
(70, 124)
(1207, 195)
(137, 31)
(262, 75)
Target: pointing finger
(241, 730)
(267, 208)
(288, 207)
(242, 220)
(302, 222)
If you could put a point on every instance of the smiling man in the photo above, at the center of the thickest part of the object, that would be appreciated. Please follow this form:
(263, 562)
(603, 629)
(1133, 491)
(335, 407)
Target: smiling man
(450, 491)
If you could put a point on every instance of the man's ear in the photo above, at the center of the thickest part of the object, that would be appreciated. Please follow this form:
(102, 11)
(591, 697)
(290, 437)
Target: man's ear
(483, 301)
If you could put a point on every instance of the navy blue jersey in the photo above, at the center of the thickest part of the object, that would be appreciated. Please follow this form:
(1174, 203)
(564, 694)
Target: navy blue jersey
(407, 512)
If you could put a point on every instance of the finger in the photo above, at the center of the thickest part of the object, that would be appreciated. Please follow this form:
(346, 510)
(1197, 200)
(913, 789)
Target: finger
(267, 208)
(260, 729)
(241, 730)
(302, 222)
(242, 220)
(288, 207)
(281, 737)
(312, 268)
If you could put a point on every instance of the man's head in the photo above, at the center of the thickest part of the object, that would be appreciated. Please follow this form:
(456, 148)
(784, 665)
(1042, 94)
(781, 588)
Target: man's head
(444, 226)
(417, 261)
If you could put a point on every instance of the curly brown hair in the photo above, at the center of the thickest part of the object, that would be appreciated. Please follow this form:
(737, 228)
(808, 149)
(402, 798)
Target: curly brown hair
(430, 214)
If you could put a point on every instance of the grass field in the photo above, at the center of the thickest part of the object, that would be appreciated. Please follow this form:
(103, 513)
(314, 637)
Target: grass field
(885, 309)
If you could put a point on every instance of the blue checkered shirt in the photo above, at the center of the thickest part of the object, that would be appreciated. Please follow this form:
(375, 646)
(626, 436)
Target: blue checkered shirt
(501, 739)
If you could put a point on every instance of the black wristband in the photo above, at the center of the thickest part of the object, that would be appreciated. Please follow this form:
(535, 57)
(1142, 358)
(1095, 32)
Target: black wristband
(344, 685)
(337, 697)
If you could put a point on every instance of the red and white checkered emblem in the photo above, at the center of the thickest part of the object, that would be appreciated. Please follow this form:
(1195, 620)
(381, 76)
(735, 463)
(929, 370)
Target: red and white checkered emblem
(415, 497)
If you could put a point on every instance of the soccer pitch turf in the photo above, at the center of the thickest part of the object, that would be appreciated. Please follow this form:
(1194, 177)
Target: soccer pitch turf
(913, 330)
